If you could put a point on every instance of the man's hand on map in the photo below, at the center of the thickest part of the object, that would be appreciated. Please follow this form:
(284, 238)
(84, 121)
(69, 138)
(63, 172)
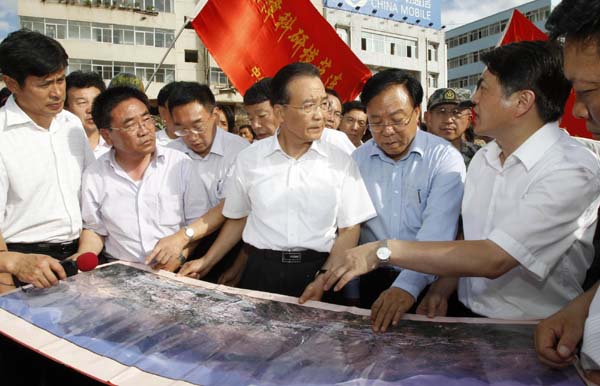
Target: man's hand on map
(232, 276)
(196, 269)
(313, 291)
(40, 270)
(167, 250)
(593, 376)
(389, 308)
(355, 262)
(557, 337)
(435, 302)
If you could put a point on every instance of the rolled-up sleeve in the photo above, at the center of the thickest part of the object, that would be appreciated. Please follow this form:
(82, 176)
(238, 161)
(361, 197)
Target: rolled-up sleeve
(237, 202)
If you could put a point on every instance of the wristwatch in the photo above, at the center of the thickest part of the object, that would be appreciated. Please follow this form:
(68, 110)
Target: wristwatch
(189, 232)
(383, 253)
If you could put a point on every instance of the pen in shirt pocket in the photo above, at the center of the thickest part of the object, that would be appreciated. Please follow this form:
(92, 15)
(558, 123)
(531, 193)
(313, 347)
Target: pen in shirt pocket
(419, 195)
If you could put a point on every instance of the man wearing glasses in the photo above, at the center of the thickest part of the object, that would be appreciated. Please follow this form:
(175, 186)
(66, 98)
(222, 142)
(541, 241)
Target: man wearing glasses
(448, 116)
(415, 180)
(192, 107)
(298, 199)
(138, 192)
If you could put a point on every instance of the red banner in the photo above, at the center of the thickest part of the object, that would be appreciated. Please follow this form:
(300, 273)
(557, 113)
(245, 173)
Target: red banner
(253, 39)
(520, 29)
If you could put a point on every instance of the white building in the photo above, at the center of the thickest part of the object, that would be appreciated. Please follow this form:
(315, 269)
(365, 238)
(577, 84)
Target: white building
(384, 35)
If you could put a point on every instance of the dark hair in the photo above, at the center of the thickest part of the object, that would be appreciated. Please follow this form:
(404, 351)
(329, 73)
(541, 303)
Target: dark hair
(259, 92)
(229, 116)
(163, 94)
(281, 80)
(106, 102)
(331, 91)
(187, 92)
(353, 105)
(24, 53)
(249, 127)
(80, 79)
(4, 94)
(390, 77)
(578, 20)
(535, 66)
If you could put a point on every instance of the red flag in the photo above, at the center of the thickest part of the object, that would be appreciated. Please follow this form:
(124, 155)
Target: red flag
(521, 28)
(253, 39)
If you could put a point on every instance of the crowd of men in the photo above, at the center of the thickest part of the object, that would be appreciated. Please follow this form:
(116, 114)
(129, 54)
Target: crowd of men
(408, 216)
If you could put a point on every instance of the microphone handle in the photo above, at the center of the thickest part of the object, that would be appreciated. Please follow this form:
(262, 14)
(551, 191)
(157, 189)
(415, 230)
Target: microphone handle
(70, 267)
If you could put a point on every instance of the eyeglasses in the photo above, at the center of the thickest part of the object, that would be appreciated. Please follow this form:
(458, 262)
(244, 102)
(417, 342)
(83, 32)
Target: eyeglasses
(394, 124)
(455, 113)
(311, 107)
(146, 123)
(193, 130)
(351, 120)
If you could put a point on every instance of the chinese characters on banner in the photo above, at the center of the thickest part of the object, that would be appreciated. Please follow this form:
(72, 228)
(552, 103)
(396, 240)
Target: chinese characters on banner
(253, 39)
(520, 29)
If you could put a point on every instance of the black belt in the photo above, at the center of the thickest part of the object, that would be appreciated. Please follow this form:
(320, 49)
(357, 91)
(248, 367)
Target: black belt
(287, 257)
(68, 246)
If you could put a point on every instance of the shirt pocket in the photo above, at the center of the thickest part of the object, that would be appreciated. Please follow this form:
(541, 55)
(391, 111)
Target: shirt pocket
(415, 201)
(170, 208)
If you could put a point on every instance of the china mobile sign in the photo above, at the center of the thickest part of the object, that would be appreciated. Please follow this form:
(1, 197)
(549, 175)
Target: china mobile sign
(424, 13)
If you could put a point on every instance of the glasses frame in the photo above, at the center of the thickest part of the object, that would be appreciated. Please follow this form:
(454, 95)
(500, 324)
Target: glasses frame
(310, 108)
(380, 127)
(137, 126)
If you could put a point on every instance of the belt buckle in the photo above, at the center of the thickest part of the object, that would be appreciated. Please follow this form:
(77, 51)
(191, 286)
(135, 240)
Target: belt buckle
(291, 257)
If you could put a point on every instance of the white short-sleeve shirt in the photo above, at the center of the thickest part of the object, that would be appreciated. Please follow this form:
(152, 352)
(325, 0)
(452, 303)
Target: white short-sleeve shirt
(540, 207)
(134, 215)
(40, 176)
(212, 170)
(296, 204)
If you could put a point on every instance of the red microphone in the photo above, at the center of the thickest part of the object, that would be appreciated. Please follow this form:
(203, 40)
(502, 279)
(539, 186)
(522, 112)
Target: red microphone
(85, 262)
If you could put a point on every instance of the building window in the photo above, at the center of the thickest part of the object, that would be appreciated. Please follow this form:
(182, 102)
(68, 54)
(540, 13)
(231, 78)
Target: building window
(344, 34)
(389, 45)
(191, 56)
(218, 78)
(432, 52)
(432, 80)
(108, 69)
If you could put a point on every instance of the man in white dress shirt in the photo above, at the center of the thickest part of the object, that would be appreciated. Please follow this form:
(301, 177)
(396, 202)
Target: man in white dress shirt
(165, 136)
(43, 151)
(212, 151)
(302, 200)
(138, 192)
(557, 337)
(82, 88)
(530, 202)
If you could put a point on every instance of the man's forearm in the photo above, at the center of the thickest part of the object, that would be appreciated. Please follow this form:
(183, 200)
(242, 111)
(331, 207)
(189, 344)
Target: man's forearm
(347, 238)
(229, 235)
(90, 241)
(479, 258)
(208, 222)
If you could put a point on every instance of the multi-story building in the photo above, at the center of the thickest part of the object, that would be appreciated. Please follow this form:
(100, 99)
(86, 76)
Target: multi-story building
(467, 43)
(404, 34)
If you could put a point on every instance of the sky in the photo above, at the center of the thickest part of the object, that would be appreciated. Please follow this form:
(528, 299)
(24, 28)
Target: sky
(454, 12)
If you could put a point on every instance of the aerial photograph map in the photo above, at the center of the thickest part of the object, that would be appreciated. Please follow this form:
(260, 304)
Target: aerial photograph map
(209, 337)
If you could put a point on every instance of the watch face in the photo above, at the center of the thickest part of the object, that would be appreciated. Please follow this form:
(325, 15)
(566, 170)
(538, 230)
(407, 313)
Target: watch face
(384, 253)
(189, 232)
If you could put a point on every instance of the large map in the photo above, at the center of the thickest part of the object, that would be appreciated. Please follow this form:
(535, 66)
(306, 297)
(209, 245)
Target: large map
(209, 337)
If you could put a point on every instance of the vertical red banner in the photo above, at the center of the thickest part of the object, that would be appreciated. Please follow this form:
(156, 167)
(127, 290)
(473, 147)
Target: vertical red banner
(520, 29)
(253, 39)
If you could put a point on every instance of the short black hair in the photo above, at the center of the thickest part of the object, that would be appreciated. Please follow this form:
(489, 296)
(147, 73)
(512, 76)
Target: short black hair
(259, 92)
(331, 91)
(391, 77)
(577, 20)
(80, 79)
(281, 80)
(107, 100)
(163, 94)
(229, 115)
(353, 105)
(24, 53)
(187, 92)
(249, 127)
(4, 94)
(535, 66)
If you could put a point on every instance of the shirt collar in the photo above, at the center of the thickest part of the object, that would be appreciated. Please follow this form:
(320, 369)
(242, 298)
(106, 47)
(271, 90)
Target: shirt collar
(15, 115)
(417, 146)
(158, 156)
(218, 145)
(530, 151)
(274, 146)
